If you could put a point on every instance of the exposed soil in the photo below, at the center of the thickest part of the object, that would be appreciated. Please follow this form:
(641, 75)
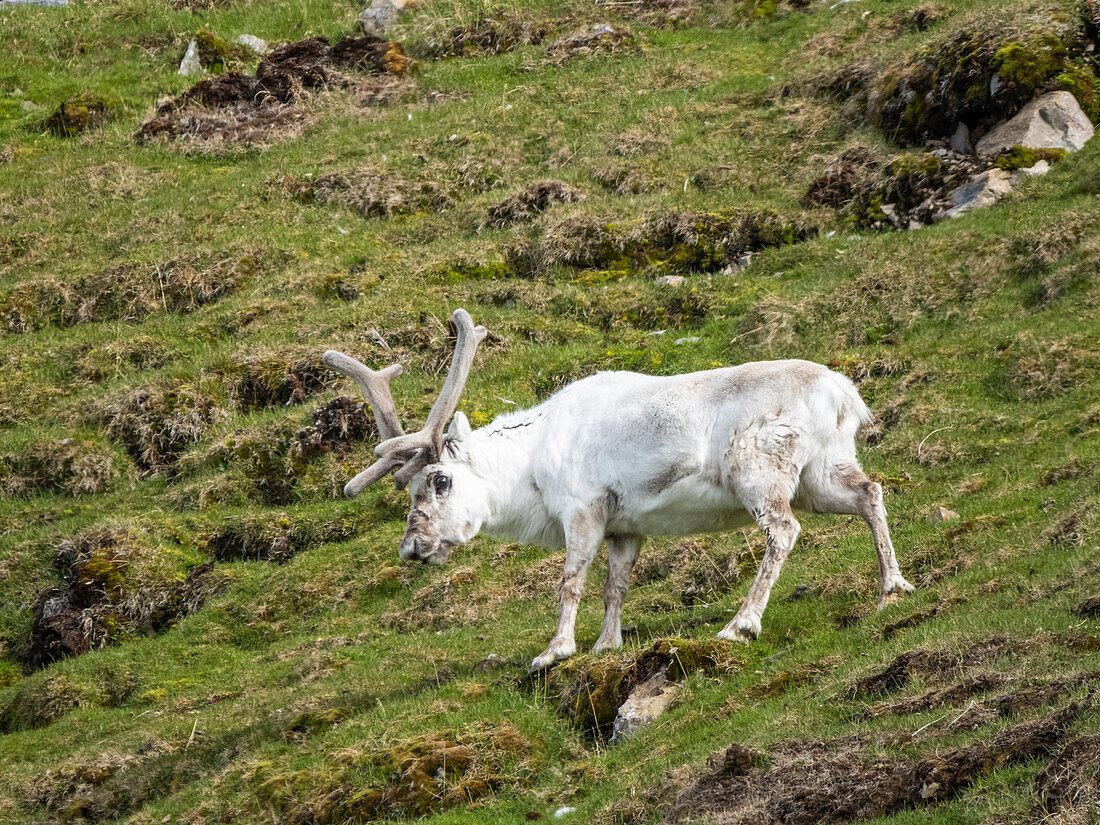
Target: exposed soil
(833, 781)
(78, 114)
(236, 108)
(336, 425)
(935, 663)
(97, 603)
(1089, 608)
(530, 202)
(1070, 784)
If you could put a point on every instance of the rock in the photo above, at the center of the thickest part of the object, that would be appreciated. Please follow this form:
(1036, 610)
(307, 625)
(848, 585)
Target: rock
(380, 15)
(646, 702)
(191, 65)
(490, 662)
(943, 514)
(983, 190)
(1053, 121)
(960, 140)
(1040, 168)
(253, 43)
(563, 811)
(690, 340)
(670, 280)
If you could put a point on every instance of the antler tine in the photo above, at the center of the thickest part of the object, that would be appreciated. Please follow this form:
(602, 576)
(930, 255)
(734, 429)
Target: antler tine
(430, 439)
(376, 386)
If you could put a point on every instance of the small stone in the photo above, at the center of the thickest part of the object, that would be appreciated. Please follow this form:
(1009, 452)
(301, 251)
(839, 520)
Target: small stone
(670, 280)
(191, 65)
(914, 224)
(690, 340)
(1053, 121)
(943, 514)
(983, 190)
(563, 811)
(1040, 168)
(646, 702)
(380, 15)
(490, 662)
(253, 43)
(960, 139)
(29, 106)
(745, 259)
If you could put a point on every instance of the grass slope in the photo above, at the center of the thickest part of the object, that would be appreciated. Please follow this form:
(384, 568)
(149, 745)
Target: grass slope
(165, 308)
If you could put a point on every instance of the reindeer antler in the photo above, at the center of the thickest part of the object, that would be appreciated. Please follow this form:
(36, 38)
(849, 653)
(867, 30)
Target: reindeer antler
(413, 451)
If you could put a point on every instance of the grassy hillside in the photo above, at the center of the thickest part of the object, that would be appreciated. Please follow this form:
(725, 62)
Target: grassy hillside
(195, 626)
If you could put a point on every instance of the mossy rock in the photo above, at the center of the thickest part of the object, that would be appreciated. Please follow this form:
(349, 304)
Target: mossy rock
(590, 689)
(215, 54)
(1080, 81)
(78, 114)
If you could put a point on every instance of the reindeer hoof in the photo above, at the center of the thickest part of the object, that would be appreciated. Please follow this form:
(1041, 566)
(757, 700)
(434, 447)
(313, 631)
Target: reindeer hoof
(744, 629)
(554, 653)
(892, 590)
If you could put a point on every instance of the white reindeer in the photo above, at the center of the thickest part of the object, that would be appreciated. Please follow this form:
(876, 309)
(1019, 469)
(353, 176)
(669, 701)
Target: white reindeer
(619, 456)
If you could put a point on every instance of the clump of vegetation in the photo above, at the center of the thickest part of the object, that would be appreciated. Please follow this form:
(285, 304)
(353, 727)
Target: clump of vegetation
(78, 114)
(215, 54)
(235, 109)
(1021, 157)
(977, 74)
(70, 466)
(589, 690)
(425, 774)
(372, 192)
(495, 32)
(127, 292)
(664, 242)
(267, 378)
(530, 202)
(157, 424)
(276, 537)
(598, 40)
(115, 587)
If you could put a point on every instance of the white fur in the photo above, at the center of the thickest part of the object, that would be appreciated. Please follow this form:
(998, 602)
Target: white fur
(620, 454)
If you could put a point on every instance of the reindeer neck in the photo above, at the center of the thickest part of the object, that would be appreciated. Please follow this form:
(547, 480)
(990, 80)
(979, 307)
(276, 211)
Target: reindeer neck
(501, 454)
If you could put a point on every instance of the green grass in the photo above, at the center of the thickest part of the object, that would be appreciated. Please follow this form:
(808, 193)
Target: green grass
(989, 391)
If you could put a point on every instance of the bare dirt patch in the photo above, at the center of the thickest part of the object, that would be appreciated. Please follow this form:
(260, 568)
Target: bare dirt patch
(106, 597)
(239, 109)
(834, 781)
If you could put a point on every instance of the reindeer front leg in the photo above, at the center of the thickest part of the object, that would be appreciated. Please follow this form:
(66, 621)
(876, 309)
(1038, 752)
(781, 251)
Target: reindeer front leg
(582, 538)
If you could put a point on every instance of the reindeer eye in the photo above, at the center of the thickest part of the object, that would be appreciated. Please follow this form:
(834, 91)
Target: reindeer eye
(442, 484)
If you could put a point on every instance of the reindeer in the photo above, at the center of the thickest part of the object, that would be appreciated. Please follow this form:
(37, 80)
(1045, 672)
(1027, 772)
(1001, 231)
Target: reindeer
(619, 456)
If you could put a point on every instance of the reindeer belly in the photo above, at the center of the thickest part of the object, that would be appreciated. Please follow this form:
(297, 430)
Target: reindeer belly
(690, 505)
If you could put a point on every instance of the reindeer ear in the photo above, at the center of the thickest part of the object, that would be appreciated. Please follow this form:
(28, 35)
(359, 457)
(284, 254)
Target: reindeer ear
(460, 427)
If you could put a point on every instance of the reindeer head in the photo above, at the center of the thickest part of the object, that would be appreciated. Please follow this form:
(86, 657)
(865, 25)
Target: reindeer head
(445, 502)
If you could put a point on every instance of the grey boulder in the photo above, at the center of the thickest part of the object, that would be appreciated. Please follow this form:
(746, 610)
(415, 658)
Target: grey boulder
(1053, 121)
